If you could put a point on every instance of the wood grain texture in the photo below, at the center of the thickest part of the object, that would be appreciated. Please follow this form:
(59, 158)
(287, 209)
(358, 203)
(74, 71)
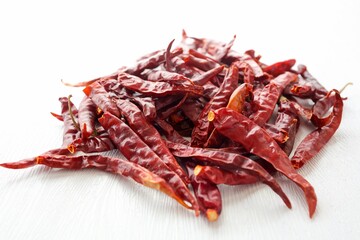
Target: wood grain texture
(42, 43)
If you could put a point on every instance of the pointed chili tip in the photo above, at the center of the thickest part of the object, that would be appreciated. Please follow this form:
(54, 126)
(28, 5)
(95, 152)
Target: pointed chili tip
(211, 116)
(212, 215)
(312, 208)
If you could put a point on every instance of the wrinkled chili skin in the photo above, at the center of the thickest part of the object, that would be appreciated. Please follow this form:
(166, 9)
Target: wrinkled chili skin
(100, 142)
(151, 61)
(108, 164)
(207, 194)
(220, 176)
(317, 139)
(267, 98)
(157, 89)
(148, 133)
(279, 68)
(101, 98)
(135, 150)
(87, 117)
(255, 140)
(203, 127)
(228, 161)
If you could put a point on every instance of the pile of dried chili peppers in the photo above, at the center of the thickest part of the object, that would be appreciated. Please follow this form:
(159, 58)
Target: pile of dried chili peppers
(189, 118)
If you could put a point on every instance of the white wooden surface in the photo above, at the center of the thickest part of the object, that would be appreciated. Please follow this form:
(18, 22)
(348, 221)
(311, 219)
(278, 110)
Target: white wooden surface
(43, 42)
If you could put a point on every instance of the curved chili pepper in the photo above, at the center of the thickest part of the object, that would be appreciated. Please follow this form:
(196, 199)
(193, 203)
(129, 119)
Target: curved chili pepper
(157, 89)
(108, 164)
(220, 176)
(228, 160)
(101, 98)
(151, 61)
(202, 127)
(135, 150)
(207, 194)
(246, 70)
(267, 98)
(202, 64)
(100, 142)
(253, 64)
(319, 91)
(87, 116)
(317, 139)
(147, 106)
(184, 69)
(279, 68)
(207, 76)
(166, 76)
(148, 133)
(255, 139)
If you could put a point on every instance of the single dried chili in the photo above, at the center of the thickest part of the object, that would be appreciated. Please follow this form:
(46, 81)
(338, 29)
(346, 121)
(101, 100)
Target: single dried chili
(255, 139)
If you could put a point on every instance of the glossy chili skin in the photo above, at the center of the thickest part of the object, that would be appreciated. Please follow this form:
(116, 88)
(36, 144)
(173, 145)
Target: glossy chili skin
(135, 150)
(148, 133)
(256, 140)
(317, 139)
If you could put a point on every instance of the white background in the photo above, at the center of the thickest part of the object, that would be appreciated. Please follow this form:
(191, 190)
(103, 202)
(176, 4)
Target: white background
(42, 42)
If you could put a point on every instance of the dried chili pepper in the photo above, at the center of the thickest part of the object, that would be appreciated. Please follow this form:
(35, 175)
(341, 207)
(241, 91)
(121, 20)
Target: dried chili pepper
(207, 194)
(101, 98)
(218, 176)
(157, 89)
(205, 90)
(228, 160)
(108, 164)
(135, 150)
(151, 61)
(202, 127)
(279, 68)
(87, 116)
(317, 139)
(148, 133)
(255, 139)
(100, 142)
(267, 98)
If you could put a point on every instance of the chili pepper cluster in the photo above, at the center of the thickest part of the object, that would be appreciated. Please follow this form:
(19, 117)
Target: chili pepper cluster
(190, 118)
